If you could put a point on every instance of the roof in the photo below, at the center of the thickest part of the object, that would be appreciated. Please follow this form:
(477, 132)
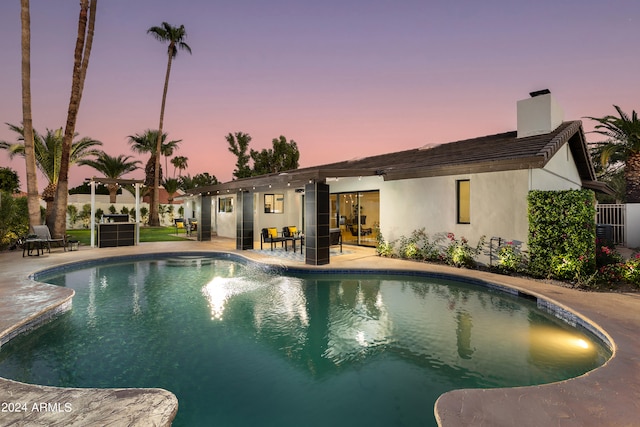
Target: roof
(499, 152)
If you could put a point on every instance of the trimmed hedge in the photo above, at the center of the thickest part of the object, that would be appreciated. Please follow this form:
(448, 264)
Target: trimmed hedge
(562, 234)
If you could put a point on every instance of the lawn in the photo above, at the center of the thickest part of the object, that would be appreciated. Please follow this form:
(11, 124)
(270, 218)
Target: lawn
(147, 234)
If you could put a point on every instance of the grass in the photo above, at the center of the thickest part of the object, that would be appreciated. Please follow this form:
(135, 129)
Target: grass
(147, 234)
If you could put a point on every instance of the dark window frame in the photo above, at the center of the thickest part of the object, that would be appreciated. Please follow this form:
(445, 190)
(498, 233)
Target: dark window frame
(275, 205)
(459, 212)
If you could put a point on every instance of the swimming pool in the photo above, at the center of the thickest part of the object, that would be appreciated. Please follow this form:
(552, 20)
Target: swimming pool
(240, 344)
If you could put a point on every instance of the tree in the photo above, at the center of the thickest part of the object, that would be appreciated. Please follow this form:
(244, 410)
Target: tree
(146, 143)
(175, 37)
(180, 163)
(622, 145)
(239, 145)
(9, 181)
(33, 203)
(200, 180)
(167, 150)
(48, 153)
(14, 219)
(82, 52)
(283, 157)
(112, 167)
(610, 172)
(171, 185)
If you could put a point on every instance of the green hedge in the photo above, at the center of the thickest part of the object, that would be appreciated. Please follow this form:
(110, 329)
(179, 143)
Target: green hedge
(562, 234)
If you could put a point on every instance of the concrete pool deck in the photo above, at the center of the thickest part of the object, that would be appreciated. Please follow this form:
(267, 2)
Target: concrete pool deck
(607, 396)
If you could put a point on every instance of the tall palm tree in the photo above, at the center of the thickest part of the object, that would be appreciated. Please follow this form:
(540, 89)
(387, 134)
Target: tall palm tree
(30, 159)
(144, 143)
(175, 37)
(622, 145)
(82, 52)
(48, 153)
(180, 163)
(112, 167)
(167, 150)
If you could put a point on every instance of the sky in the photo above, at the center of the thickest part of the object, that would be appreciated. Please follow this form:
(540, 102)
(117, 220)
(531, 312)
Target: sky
(342, 78)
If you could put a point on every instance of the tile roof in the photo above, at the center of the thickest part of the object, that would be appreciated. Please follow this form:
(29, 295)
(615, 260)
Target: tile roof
(502, 151)
(499, 152)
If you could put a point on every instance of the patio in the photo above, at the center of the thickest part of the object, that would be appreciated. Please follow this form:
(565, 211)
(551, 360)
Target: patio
(609, 395)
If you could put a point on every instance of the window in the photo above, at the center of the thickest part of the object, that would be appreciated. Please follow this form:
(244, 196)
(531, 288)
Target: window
(225, 204)
(273, 203)
(463, 193)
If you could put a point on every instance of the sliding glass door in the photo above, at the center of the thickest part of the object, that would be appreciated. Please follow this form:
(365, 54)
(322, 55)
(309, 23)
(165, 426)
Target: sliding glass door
(357, 215)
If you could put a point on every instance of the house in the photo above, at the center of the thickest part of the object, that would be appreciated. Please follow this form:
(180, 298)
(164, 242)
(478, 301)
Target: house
(472, 188)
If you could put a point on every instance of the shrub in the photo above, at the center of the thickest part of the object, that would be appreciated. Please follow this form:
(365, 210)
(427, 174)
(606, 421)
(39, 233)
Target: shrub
(459, 253)
(631, 270)
(511, 258)
(562, 233)
(14, 219)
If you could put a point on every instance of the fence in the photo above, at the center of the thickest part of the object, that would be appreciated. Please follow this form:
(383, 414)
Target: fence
(614, 215)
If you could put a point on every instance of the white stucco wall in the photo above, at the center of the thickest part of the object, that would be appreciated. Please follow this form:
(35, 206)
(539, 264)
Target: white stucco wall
(498, 206)
(560, 173)
(292, 215)
(632, 228)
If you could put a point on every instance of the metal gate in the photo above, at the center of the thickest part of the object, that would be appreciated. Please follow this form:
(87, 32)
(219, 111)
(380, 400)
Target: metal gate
(614, 217)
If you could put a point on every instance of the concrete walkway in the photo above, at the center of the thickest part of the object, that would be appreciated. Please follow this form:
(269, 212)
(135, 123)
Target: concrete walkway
(608, 396)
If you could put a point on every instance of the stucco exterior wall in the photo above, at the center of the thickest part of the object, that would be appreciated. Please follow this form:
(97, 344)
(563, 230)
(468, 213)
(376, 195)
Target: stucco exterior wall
(498, 206)
(560, 173)
(292, 215)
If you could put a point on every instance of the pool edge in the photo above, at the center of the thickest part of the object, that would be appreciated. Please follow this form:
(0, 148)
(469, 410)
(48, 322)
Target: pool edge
(560, 400)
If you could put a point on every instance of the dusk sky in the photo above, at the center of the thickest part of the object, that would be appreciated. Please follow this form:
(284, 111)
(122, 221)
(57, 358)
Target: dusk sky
(344, 79)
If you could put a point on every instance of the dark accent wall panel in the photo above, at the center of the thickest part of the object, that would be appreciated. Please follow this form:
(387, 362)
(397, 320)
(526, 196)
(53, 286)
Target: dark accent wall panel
(204, 222)
(317, 223)
(244, 221)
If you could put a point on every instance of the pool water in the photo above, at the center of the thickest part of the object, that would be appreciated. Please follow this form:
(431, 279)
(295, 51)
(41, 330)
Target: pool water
(242, 346)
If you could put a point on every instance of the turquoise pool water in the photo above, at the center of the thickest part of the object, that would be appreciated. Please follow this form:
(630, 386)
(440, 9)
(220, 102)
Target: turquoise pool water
(241, 345)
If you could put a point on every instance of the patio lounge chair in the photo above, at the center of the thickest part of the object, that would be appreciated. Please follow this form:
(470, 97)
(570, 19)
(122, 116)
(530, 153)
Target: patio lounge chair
(43, 233)
(270, 235)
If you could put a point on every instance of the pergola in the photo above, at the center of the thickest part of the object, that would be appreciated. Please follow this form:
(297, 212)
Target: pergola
(92, 183)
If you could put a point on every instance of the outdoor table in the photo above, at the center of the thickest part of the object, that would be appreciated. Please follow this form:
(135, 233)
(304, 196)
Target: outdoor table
(31, 245)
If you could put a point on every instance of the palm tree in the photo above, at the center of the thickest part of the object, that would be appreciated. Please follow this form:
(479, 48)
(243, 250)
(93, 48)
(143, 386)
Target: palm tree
(48, 154)
(167, 150)
(112, 167)
(180, 163)
(30, 159)
(622, 145)
(84, 41)
(175, 37)
(171, 185)
(146, 143)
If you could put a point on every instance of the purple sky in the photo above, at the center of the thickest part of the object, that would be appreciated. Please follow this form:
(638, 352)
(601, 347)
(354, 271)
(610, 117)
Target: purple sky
(343, 79)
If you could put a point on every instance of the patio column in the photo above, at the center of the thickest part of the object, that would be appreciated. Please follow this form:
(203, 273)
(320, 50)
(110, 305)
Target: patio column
(316, 223)
(244, 221)
(204, 222)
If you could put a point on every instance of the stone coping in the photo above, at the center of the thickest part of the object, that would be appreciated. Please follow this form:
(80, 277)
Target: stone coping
(609, 395)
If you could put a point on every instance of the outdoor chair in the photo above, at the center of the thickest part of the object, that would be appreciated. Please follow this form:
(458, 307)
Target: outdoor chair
(43, 233)
(335, 238)
(179, 223)
(292, 233)
(270, 235)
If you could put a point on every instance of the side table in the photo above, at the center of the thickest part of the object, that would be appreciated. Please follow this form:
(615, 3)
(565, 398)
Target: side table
(31, 245)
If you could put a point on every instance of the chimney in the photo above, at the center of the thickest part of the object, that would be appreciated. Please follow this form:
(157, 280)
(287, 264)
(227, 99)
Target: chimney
(539, 114)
